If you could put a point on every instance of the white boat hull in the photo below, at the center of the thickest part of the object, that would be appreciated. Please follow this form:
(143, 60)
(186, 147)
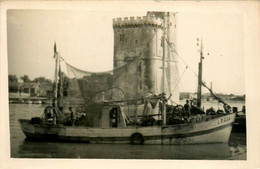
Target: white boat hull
(213, 131)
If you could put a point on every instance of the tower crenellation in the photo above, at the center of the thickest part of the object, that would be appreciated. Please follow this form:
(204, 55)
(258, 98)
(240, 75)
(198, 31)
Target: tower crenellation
(137, 21)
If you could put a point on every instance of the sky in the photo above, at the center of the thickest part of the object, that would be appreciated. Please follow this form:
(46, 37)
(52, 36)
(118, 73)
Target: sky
(85, 40)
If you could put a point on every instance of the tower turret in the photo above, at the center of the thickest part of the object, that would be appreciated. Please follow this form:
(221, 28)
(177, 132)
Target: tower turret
(139, 41)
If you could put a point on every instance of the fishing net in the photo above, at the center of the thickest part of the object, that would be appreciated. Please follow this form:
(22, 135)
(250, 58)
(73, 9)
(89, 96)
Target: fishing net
(87, 91)
(95, 86)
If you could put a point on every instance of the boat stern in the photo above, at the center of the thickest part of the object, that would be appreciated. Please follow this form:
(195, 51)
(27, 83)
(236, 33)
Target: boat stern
(40, 132)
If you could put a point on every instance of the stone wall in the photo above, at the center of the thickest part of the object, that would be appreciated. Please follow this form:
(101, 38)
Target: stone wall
(139, 41)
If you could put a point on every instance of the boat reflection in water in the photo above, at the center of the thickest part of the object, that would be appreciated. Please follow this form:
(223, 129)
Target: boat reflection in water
(126, 151)
(123, 151)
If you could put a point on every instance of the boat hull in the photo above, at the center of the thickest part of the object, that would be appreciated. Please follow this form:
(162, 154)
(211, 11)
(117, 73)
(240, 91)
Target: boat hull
(213, 131)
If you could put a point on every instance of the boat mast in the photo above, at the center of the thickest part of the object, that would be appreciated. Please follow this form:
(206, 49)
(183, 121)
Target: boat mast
(57, 60)
(163, 67)
(200, 76)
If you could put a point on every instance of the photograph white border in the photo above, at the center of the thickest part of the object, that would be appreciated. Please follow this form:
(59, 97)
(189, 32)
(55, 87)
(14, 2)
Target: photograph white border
(251, 13)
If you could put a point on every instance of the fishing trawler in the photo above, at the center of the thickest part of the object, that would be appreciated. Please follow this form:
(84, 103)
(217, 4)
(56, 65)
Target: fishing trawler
(140, 110)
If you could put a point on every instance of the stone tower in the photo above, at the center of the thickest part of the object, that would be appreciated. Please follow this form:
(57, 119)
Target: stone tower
(139, 51)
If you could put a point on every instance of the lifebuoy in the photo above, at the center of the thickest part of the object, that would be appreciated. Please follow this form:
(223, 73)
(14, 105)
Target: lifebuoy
(137, 138)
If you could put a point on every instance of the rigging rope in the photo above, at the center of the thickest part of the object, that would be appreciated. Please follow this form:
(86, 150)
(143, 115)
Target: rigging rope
(177, 70)
(217, 87)
(176, 63)
(173, 50)
(180, 78)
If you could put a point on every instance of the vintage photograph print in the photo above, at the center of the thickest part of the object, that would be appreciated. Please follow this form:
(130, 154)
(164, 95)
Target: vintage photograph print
(119, 84)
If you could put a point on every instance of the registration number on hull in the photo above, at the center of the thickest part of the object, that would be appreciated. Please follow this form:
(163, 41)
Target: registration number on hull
(224, 119)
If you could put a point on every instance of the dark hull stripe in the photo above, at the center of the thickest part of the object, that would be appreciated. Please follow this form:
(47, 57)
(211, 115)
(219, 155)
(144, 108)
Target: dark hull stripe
(47, 137)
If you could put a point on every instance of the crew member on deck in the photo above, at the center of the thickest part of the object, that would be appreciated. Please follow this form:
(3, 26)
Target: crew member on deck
(187, 107)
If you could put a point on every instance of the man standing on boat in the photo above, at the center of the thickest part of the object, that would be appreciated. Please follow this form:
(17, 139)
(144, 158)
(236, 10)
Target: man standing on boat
(187, 107)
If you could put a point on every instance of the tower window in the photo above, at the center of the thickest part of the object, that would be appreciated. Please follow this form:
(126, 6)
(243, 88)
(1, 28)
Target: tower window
(135, 41)
(140, 73)
(122, 37)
